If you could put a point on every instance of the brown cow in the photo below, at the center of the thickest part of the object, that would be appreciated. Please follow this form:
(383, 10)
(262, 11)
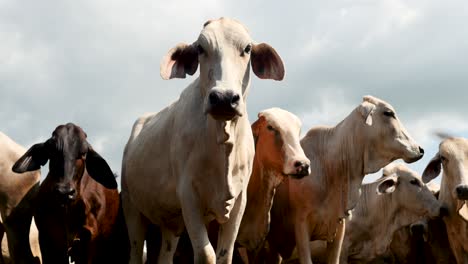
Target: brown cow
(453, 157)
(278, 153)
(77, 207)
(316, 207)
(16, 197)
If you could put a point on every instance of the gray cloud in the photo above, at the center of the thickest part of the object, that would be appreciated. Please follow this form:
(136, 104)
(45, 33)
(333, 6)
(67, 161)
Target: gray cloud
(96, 63)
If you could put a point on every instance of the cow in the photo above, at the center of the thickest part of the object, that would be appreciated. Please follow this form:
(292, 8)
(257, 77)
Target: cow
(190, 163)
(16, 204)
(453, 157)
(316, 207)
(278, 154)
(396, 200)
(424, 242)
(77, 205)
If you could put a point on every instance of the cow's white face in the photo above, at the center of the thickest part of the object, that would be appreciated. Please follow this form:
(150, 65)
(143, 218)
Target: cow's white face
(409, 192)
(225, 51)
(453, 157)
(388, 136)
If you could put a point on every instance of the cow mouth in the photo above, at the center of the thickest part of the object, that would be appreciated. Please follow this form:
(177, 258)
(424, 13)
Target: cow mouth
(225, 115)
(413, 159)
(298, 175)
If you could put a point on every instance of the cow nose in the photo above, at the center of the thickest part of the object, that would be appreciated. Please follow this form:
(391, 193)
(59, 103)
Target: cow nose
(443, 211)
(67, 192)
(421, 150)
(462, 192)
(302, 168)
(235, 100)
(214, 98)
(224, 104)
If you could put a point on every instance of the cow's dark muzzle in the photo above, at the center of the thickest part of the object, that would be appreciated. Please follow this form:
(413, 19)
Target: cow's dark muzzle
(224, 105)
(462, 192)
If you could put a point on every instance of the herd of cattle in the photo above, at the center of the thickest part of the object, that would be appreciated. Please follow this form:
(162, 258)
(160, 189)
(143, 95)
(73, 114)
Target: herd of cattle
(200, 184)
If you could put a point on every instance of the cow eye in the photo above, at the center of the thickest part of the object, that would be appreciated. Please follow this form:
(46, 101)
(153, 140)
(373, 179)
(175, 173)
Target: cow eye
(389, 113)
(200, 49)
(248, 49)
(415, 182)
(269, 127)
(443, 159)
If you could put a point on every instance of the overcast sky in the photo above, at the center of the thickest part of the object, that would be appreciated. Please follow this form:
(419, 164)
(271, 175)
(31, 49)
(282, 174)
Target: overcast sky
(96, 63)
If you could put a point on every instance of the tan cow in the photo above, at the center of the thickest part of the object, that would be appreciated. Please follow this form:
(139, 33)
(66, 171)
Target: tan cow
(191, 162)
(396, 200)
(17, 192)
(278, 153)
(453, 157)
(315, 208)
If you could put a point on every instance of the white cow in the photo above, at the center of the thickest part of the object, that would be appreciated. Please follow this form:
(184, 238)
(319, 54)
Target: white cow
(453, 157)
(191, 162)
(17, 192)
(315, 207)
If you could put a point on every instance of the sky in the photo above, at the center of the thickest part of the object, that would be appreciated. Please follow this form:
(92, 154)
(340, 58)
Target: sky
(96, 63)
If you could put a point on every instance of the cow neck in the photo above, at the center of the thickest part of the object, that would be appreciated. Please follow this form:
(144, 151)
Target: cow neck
(344, 162)
(260, 193)
(387, 217)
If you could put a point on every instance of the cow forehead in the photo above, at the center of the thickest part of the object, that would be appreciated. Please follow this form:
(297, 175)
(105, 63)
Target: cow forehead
(281, 119)
(454, 147)
(69, 136)
(378, 102)
(224, 30)
(401, 170)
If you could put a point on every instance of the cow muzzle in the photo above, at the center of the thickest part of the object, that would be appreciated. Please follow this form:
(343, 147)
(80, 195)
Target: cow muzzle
(65, 193)
(223, 105)
(301, 169)
(462, 192)
(417, 155)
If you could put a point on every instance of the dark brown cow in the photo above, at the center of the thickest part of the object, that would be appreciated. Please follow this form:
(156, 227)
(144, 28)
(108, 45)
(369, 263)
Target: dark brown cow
(77, 208)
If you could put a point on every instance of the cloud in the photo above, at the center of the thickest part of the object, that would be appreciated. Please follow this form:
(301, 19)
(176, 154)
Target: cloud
(96, 63)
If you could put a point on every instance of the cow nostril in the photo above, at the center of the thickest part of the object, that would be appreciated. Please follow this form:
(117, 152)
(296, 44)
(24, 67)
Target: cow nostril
(298, 164)
(213, 98)
(421, 150)
(305, 167)
(235, 100)
(443, 211)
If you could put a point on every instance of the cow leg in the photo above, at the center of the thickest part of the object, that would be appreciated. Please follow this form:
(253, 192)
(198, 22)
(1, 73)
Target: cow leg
(334, 249)
(168, 246)
(136, 226)
(228, 231)
(2, 234)
(302, 242)
(194, 222)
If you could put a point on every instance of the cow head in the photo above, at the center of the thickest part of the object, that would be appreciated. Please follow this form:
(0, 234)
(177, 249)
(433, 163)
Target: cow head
(388, 138)
(277, 146)
(69, 154)
(409, 193)
(453, 157)
(224, 50)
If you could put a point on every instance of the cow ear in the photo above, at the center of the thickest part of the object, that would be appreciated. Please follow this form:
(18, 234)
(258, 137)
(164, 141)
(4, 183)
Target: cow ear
(256, 127)
(33, 159)
(432, 169)
(266, 63)
(387, 186)
(179, 61)
(367, 109)
(99, 170)
(463, 212)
